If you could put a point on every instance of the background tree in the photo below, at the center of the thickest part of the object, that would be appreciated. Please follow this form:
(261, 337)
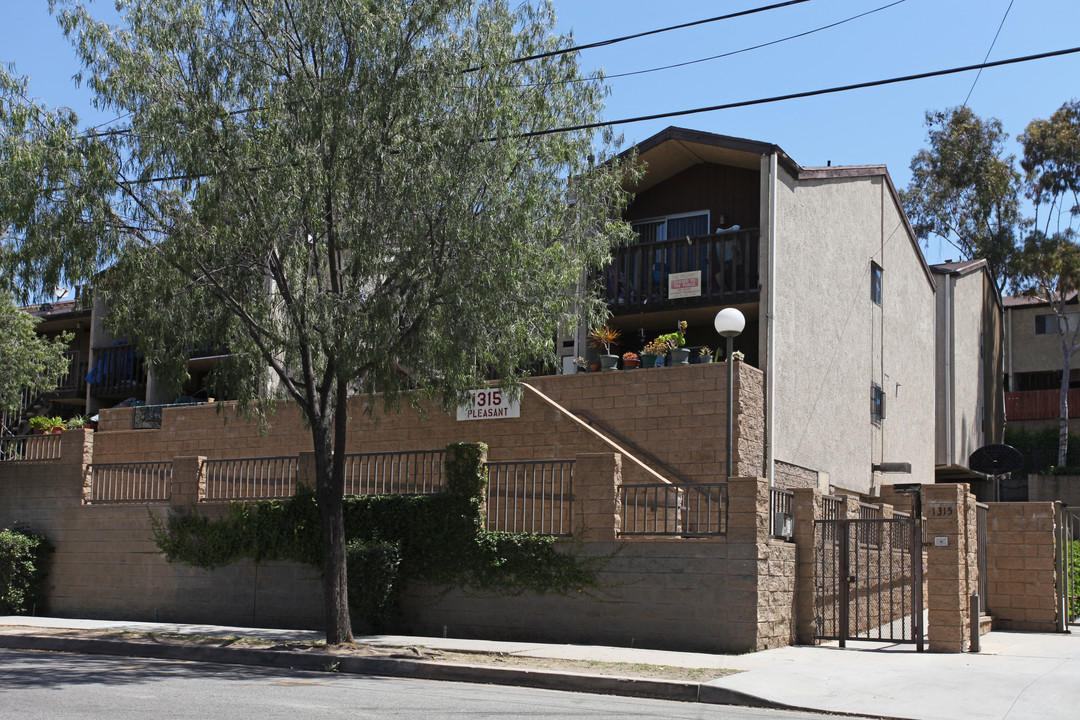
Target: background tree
(965, 189)
(339, 191)
(1048, 268)
(28, 361)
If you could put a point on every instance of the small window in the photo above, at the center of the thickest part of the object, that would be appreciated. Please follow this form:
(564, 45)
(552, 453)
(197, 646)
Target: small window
(1048, 324)
(875, 283)
(877, 403)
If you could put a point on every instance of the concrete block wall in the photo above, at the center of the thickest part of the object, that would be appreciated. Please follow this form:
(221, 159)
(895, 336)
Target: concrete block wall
(106, 565)
(1020, 565)
(675, 415)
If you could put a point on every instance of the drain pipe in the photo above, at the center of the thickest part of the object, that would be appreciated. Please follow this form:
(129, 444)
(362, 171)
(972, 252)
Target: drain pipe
(770, 386)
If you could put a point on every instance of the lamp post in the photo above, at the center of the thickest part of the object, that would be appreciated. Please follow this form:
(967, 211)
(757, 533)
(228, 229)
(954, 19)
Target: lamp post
(729, 322)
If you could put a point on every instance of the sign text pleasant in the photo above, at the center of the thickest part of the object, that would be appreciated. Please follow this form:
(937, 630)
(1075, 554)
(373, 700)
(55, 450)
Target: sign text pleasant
(488, 404)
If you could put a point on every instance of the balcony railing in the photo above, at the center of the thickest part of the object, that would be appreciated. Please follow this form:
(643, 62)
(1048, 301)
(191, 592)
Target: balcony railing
(117, 370)
(73, 382)
(686, 510)
(1039, 404)
(724, 267)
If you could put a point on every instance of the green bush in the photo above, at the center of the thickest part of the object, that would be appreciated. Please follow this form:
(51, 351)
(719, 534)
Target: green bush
(1074, 589)
(23, 567)
(391, 539)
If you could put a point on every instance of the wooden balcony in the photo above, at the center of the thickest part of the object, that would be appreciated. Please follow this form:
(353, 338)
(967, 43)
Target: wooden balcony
(723, 266)
(72, 383)
(1039, 404)
(118, 370)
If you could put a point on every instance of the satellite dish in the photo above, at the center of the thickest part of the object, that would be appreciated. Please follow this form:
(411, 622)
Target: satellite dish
(996, 459)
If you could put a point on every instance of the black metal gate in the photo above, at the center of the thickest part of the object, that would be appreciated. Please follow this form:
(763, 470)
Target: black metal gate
(869, 581)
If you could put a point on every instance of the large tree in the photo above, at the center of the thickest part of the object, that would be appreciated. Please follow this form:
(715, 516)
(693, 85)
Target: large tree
(28, 361)
(348, 194)
(965, 189)
(1049, 265)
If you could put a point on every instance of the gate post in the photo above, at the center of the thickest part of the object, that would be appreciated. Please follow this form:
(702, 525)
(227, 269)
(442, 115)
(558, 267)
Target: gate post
(806, 509)
(952, 564)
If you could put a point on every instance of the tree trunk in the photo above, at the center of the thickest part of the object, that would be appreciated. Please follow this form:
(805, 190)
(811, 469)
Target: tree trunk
(1063, 404)
(328, 490)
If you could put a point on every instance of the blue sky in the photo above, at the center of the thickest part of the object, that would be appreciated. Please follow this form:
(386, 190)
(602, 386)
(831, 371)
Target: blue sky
(879, 125)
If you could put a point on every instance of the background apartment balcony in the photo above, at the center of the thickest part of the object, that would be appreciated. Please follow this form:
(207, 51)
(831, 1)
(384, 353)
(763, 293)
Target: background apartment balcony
(1039, 404)
(72, 384)
(637, 279)
(118, 370)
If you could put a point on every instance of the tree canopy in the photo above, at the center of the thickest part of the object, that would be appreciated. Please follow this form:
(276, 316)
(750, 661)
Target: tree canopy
(28, 361)
(1048, 267)
(344, 193)
(965, 188)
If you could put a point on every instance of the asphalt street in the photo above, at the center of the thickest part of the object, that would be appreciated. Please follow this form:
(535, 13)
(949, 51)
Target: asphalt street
(63, 686)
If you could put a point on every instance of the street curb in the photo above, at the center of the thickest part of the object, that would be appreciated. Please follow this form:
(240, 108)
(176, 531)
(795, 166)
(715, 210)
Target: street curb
(393, 667)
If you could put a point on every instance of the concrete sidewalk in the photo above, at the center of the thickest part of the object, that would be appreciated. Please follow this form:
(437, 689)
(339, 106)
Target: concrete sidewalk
(1017, 675)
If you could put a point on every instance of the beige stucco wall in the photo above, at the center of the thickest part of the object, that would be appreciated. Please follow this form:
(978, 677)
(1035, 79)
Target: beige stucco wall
(831, 340)
(1026, 351)
(969, 393)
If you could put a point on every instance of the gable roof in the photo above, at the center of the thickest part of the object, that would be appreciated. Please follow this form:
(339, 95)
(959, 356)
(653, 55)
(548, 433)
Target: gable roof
(675, 149)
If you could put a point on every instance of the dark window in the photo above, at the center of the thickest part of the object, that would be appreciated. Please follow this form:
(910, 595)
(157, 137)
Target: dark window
(875, 283)
(877, 403)
(1042, 326)
(672, 227)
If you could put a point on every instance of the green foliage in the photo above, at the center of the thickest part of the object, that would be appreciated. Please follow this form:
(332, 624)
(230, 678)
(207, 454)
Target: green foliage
(324, 187)
(27, 359)
(374, 588)
(392, 539)
(966, 189)
(1074, 589)
(23, 567)
(46, 423)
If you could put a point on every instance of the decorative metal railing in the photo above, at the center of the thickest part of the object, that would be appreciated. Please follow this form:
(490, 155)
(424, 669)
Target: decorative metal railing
(416, 472)
(117, 370)
(663, 509)
(530, 496)
(780, 512)
(34, 448)
(250, 478)
(133, 482)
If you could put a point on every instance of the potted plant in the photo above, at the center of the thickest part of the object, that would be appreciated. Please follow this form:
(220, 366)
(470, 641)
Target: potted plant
(651, 352)
(630, 360)
(581, 364)
(704, 355)
(80, 421)
(45, 425)
(604, 337)
(674, 343)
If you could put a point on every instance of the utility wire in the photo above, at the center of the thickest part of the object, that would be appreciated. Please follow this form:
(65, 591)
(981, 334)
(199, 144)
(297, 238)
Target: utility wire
(725, 106)
(794, 96)
(657, 31)
(717, 57)
(988, 51)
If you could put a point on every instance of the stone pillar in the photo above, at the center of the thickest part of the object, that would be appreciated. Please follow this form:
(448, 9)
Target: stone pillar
(77, 449)
(597, 479)
(951, 567)
(748, 510)
(806, 507)
(188, 480)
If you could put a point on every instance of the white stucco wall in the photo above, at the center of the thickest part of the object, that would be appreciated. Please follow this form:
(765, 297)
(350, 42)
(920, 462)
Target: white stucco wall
(831, 341)
(964, 360)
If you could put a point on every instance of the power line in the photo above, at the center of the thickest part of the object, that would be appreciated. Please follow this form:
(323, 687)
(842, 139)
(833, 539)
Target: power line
(988, 51)
(657, 31)
(722, 55)
(725, 106)
(808, 93)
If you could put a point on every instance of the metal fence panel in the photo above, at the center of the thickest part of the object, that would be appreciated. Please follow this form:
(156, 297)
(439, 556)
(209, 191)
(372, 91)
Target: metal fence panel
(685, 510)
(30, 448)
(416, 472)
(130, 482)
(530, 497)
(251, 478)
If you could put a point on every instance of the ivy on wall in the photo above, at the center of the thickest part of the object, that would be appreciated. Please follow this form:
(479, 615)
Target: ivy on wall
(23, 556)
(392, 539)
